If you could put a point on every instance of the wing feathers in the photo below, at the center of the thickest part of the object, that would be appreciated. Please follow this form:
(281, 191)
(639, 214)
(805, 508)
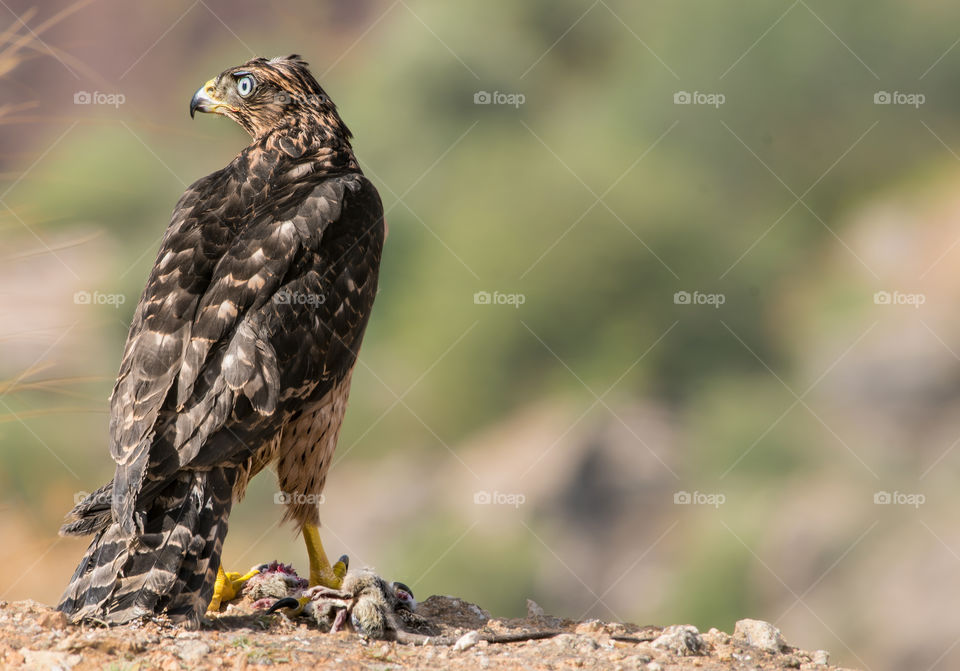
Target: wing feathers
(200, 339)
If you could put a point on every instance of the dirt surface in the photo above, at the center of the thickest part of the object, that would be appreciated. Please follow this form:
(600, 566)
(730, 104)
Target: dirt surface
(34, 636)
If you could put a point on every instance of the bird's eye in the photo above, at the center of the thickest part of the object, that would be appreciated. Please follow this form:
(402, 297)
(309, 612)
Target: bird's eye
(245, 85)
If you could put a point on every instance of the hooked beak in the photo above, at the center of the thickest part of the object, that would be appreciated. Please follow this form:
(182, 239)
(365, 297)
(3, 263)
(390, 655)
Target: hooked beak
(204, 100)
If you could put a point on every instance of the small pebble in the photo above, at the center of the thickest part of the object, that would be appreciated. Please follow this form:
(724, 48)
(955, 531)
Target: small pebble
(759, 634)
(589, 627)
(192, 651)
(682, 639)
(467, 641)
(46, 659)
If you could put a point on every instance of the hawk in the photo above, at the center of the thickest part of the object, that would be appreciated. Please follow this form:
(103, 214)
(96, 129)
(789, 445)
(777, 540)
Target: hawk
(239, 355)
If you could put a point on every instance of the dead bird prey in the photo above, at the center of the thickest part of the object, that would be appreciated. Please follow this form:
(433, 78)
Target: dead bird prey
(376, 609)
(239, 355)
(365, 602)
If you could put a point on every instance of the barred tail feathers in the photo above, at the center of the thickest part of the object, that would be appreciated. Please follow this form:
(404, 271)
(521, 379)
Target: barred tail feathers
(171, 567)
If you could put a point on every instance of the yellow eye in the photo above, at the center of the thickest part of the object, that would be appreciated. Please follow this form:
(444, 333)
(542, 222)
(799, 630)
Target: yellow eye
(245, 85)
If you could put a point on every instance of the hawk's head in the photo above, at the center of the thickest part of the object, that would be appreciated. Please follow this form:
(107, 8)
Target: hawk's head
(262, 95)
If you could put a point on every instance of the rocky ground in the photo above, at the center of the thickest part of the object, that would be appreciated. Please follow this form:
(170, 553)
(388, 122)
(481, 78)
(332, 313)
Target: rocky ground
(34, 636)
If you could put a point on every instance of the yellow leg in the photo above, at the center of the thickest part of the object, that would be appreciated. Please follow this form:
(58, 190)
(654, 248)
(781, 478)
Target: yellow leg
(321, 572)
(228, 586)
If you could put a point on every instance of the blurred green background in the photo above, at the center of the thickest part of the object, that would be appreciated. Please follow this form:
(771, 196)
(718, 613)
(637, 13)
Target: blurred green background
(815, 165)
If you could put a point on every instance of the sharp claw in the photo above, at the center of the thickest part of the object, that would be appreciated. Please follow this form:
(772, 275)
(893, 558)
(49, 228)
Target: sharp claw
(286, 602)
(341, 567)
(405, 596)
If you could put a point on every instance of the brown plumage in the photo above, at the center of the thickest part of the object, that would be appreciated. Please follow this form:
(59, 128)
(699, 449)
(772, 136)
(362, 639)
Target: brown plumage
(240, 351)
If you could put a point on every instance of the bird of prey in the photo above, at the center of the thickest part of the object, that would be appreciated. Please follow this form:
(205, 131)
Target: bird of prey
(239, 355)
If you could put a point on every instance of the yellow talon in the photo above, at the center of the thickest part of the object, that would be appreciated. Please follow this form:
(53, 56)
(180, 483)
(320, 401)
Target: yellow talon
(321, 572)
(228, 586)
